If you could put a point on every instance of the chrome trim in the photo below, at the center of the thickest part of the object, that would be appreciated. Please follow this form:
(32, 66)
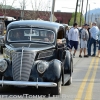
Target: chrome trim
(37, 83)
(24, 83)
(45, 65)
(21, 62)
(27, 62)
(2, 80)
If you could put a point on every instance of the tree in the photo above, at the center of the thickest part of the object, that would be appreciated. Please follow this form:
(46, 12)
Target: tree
(77, 19)
(22, 7)
(4, 6)
(37, 6)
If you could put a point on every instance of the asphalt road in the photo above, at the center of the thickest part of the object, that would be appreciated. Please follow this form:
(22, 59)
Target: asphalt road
(85, 85)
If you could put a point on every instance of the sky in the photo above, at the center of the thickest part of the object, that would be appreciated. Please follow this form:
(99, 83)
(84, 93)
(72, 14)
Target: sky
(60, 5)
(70, 5)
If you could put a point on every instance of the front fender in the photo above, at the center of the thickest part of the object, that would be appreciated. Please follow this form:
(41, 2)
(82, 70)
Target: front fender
(67, 62)
(54, 71)
(52, 74)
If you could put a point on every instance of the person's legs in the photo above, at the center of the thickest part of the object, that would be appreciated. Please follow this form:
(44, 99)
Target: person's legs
(88, 43)
(98, 49)
(71, 44)
(94, 50)
(84, 52)
(81, 47)
(75, 47)
(89, 47)
(84, 45)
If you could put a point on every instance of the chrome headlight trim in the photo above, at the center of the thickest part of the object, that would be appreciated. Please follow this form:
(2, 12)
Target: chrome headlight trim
(3, 65)
(42, 66)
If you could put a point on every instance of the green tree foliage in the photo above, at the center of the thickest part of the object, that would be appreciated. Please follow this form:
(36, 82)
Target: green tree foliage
(77, 19)
(6, 7)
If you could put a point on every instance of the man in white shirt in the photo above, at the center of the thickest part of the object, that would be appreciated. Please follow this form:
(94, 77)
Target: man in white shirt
(74, 38)
(94, 37)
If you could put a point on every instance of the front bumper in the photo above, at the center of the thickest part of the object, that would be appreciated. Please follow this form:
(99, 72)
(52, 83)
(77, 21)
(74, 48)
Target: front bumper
(24, 83)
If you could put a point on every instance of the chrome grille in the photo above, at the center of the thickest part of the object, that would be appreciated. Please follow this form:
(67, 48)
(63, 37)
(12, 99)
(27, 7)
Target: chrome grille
(22, 65)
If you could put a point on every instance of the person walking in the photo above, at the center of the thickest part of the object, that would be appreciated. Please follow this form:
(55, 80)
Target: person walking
(67, 33)
(93, 31)
(89, 36)
(80, 32)
(83, 41)
(74, 38)
(98, 54)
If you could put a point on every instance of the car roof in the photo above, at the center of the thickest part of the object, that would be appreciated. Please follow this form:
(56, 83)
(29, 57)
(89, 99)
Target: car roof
(35, 23)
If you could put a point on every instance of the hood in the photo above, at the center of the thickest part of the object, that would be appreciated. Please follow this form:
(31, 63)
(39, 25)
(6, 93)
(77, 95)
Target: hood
(29, 46)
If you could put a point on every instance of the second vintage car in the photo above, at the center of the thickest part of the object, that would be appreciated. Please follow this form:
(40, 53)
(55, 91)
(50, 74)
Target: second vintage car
(36, 55)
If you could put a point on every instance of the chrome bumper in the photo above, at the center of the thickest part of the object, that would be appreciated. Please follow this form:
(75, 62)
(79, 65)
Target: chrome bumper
(24, 83)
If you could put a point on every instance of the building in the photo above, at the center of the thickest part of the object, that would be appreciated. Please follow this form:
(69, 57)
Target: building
(62, 17)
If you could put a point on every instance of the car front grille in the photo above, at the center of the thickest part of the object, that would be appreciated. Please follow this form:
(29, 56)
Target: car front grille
(21, 65)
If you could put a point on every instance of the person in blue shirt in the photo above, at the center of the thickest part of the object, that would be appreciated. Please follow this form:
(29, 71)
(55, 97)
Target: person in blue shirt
(94, 37)
(99, 44)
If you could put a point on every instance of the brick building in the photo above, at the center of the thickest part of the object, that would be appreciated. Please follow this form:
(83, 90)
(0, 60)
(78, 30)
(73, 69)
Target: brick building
(62, 17)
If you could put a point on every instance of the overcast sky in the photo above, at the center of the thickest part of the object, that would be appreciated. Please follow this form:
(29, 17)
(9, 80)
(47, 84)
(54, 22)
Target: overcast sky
(61, 5)
(69, 5)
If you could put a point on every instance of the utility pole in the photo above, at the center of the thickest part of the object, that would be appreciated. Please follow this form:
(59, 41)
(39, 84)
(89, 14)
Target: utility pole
(5, 11)
(22, 9)
(89, 15)
(80, 5)
(86, 11)
(76, 11)
(52, 10)
(81, 13)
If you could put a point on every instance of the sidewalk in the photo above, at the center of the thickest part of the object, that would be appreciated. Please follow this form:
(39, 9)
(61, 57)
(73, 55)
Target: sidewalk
(77, 58)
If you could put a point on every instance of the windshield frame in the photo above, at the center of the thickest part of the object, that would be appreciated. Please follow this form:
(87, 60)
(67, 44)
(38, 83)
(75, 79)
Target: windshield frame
(30, 40)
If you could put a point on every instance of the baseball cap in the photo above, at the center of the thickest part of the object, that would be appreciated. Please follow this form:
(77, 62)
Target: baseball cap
(86, 25)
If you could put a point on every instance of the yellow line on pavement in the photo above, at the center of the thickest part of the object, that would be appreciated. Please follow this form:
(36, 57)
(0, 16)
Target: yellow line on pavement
(91, 83)
(82, 86)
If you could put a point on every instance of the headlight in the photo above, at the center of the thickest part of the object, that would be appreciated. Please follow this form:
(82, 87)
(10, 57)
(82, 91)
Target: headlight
(3, 65)
(42, 66)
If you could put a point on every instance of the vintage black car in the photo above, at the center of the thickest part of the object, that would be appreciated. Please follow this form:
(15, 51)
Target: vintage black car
(33, 56)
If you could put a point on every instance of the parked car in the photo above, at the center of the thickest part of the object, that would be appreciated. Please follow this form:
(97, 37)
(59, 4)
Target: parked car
(3, 25)
(2, 32)
(36, 59)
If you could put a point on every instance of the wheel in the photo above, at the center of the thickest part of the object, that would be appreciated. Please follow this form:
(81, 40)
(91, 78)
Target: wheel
(56, 90)
(69, 81)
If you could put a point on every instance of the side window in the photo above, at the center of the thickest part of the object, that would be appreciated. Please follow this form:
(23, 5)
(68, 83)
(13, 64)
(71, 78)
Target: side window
(60, 34)
(60, 37)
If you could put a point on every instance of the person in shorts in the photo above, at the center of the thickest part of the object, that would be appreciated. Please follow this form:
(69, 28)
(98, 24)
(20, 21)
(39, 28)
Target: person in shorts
(74, 38)
(84, 40)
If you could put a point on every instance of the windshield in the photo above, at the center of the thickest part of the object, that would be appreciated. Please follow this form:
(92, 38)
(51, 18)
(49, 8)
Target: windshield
(29, 34)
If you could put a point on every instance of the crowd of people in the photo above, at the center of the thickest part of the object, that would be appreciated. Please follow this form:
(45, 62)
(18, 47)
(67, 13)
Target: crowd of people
(86, 36)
